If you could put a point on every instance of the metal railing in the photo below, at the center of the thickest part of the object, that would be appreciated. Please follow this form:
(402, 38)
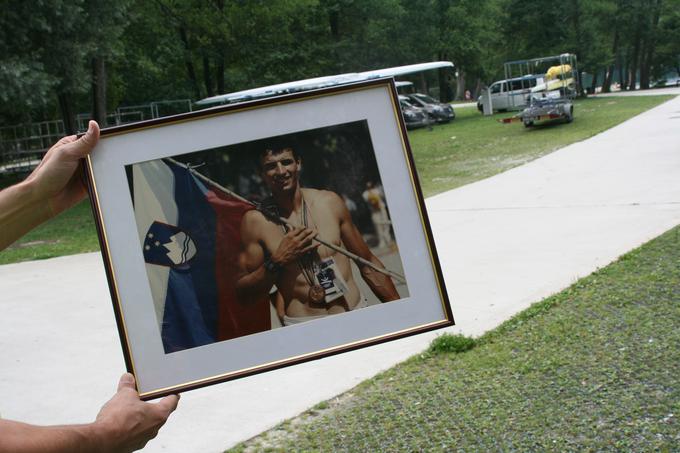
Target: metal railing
(22, 146)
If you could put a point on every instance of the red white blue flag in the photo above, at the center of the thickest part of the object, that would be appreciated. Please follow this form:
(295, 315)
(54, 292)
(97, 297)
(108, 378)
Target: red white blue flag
(190, 237)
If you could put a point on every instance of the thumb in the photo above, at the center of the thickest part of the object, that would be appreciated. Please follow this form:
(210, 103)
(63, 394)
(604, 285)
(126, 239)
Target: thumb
(126, 381)
(84, 145)
(168, 404)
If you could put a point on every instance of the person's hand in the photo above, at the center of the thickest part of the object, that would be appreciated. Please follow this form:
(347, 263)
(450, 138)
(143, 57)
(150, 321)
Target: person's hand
(126, 423)
(294, 244)
(55, 180)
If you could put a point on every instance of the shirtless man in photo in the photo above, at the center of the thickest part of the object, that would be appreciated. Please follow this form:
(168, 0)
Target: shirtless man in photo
(313, 279)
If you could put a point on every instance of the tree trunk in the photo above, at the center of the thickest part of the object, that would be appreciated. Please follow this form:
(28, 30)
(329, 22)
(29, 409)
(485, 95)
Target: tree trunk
(444, 90)
(625, 82)
(219, 64)
(67, 115)
(609, 74)
(650, 46)
(99, 90)
(621, 72)
(607, 82)
(637, 45)
(191, 72)
(460, 85)
(478, 89)
(593, 84)
(576, 27)
(219, 74)
(634, 68)
(207, 77)
(423, 83)
(334, 23)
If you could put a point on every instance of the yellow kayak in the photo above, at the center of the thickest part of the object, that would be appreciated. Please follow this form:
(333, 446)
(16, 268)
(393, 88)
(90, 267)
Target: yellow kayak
(553, 85)
(555, 71)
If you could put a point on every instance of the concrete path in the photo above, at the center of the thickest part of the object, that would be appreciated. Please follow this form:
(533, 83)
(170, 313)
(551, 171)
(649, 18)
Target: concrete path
(505, 242)
(650, 92)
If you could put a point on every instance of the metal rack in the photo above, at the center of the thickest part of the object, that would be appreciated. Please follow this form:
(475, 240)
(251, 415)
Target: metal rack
(522, 68)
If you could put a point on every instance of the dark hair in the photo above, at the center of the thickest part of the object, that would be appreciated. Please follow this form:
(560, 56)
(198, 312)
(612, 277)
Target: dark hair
(276, 149)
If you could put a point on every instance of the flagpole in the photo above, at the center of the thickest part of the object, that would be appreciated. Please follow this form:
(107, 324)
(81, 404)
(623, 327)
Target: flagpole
(330, 245)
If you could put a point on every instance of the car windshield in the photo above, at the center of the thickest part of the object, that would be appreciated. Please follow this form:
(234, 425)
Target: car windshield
(405, 104)
(425, 98)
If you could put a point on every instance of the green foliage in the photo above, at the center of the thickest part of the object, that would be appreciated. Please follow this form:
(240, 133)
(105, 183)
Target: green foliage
(46, 47)
(174, 49)
(667, 57)
(25, 83)
(447, 343)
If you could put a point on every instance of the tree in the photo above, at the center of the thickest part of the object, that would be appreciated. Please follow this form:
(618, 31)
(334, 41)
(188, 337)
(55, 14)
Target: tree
(40, 49)
(60, 47)
(104, 22)
(666, 56)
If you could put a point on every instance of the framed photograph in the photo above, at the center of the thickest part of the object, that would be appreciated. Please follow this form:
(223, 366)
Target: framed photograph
(253, 236)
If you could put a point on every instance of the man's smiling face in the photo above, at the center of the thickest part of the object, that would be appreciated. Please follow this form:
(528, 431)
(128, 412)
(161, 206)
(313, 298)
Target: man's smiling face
(280, 170)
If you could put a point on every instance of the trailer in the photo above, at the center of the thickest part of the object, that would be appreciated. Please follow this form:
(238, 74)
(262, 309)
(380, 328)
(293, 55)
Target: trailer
(543, 109)
(551, 100)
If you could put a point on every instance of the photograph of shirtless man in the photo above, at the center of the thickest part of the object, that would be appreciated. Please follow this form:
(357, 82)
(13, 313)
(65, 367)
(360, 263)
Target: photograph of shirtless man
(263, 244)
(313, 280)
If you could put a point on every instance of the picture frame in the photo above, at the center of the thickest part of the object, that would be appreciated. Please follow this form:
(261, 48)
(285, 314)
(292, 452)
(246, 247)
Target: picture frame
(191, 214)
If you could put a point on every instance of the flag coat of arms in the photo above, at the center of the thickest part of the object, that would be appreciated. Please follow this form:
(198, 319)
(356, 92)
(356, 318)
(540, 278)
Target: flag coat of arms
(189, 232)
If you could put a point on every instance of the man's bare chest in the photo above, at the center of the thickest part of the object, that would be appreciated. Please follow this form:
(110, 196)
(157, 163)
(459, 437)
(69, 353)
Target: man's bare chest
(321, 220)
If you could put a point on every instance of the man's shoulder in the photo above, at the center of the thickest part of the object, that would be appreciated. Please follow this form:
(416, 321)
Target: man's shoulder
(320, 195)
(253, 219)
(255, 225)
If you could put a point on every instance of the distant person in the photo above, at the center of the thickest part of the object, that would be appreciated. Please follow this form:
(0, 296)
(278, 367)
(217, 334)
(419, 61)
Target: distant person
(468, 95)
(374, 197)
(124, 423)
(313, 280)
(351, 205)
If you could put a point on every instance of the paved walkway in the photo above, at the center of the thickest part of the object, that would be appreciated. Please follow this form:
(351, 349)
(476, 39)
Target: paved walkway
(505, 242)
(648, 92)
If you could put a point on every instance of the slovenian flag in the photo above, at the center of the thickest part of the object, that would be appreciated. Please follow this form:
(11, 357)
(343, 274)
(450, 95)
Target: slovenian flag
(190, 237)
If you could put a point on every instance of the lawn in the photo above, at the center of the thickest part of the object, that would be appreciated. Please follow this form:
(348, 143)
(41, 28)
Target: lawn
(593, 368)
(469, 148)
(473, 147)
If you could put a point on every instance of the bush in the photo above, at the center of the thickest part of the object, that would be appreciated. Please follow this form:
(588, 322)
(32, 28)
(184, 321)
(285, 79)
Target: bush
(451, 343)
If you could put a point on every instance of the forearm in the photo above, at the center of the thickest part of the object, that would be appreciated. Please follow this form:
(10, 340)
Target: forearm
(381, 284)
(20, 212)
(16, 437)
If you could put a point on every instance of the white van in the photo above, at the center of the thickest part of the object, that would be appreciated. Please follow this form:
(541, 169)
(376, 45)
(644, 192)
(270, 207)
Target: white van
(510, 94)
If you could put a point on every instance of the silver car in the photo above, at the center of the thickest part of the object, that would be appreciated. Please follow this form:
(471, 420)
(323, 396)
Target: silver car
(438, 111)
(413, 116)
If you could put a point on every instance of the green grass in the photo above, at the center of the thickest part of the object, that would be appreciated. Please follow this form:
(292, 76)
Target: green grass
(473, 147)
(470, 148)
(451, 343)
(593, 368)
(71, 232)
